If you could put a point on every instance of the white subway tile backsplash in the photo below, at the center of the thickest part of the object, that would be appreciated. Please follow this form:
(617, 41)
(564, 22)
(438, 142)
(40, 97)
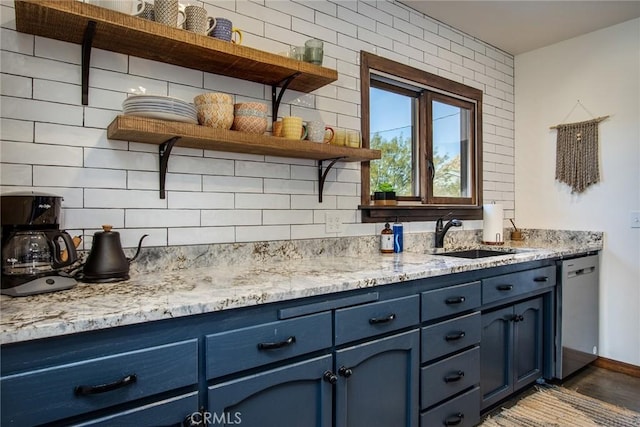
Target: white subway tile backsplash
(197, 200)
(348, 202)
(374, 39)
(340, 25)
(310, 231)
(100, 98)
(129, 238)
(406, 50)
(11, 174)
(267, 14)
(287, 186)
(291, 8)
(16, 130)
(276, 217)
(340, 188)
(167, 72)
(109, 60)
(200, 165)
(200, 235)
(263, 233)
(392, 33)
(174, 181)
(64, 93)
(262, 201)
(13, 41)
(52, 176)
(27, 109)
(105, 79)
(107, 198)
(358, 19)
(314, 31)
(222, 217)
(311, 202)
(232, 184)
(93, 218)
(30, 66)
(266, 170)
(17, 86)
(137, 218)
(98, 117)
(118, 159)
(40, 154)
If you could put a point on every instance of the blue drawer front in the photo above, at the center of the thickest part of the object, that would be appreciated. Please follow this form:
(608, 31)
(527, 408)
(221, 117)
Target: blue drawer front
(165, 412)
(156, 369)
(515, 284)
(368, 320)
(450, 336)
(450, 300)
(245, 348)
(463, 411)
(449, 376)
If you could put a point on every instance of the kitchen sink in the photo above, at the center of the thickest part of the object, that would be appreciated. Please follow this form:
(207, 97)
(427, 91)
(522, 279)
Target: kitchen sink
(477, 253)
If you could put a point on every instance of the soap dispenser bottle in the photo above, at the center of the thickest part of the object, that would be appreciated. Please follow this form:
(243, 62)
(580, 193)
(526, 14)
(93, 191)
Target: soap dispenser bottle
(386, 240)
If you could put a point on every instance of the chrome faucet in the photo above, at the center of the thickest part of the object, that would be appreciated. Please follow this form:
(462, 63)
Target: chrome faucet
(442, 230)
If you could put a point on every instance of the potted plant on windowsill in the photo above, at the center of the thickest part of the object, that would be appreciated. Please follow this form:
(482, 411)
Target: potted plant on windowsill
(384, 195)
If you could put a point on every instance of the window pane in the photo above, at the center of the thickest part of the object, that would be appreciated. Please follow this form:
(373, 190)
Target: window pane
(392, 130)
(451, 150)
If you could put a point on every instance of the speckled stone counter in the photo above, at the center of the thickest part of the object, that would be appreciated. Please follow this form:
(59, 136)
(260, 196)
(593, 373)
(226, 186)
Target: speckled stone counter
(174, 292)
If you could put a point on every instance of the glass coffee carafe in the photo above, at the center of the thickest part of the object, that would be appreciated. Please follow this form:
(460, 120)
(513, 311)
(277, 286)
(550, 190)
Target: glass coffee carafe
(35, 253)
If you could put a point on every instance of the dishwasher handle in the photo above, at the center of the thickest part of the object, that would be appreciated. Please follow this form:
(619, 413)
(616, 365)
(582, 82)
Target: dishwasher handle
(581, 271)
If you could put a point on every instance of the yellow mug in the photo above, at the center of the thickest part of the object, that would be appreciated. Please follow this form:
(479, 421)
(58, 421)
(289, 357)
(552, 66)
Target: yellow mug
(292, 128)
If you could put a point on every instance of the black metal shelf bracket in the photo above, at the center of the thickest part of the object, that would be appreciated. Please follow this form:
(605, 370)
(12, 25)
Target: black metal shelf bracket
(322, 176)
(87, 42)
(165, 151)
(276, 97)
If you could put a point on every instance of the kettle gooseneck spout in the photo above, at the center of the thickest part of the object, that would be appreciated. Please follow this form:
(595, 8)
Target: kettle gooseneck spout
(138, 250)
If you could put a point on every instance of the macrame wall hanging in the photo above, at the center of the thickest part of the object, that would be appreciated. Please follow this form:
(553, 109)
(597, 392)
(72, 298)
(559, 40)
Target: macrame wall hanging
(577, 163)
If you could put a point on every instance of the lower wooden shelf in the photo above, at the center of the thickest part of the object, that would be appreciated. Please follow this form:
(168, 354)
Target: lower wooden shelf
(168, 134)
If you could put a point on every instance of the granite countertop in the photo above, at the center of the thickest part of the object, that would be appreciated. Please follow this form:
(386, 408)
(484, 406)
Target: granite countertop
(164, 295)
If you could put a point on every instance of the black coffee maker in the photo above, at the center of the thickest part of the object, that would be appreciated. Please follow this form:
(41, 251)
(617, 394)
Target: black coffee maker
(34, 250)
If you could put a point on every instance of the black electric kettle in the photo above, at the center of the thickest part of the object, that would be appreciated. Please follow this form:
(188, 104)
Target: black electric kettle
(106, 261)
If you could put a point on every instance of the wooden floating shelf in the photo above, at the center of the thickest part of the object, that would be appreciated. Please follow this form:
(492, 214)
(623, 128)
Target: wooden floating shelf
(153, 131)
(130, 35)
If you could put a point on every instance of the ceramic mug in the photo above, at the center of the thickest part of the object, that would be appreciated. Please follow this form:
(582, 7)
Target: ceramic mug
(316, 132)
(224, 31)
(168, 12)
(293, 128)
(134, 8)
(339, 137)
(353, 139)
(197, 21)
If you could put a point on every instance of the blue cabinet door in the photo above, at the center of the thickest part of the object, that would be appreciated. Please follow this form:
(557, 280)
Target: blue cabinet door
(496, 355)
(295, 395)
(528, 343)
(378, 382)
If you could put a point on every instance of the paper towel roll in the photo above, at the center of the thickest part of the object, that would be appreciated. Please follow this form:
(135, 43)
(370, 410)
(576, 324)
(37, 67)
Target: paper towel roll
(493, 218)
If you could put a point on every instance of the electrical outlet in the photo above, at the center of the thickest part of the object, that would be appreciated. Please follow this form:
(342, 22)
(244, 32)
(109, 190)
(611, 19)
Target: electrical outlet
(333, 223)
(635, 219)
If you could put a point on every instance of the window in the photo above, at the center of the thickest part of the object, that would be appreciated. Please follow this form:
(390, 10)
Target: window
(429, 131)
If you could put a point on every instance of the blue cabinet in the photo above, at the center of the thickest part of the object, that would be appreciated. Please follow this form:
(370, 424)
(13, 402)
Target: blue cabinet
(378, 382)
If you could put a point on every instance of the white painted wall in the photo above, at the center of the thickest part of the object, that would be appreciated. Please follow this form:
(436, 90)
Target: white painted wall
(602, 70)
(51, 143)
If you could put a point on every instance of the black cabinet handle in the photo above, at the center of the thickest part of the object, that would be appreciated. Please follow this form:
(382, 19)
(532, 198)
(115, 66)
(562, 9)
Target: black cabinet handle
(276, 345)
(517, 318)
(455, 300)
(330, 377)
(378, 320)
(504, 287)
(454, 420)
(541, 279)
(455, 336)
(345, 372)
(454, 377)
(86, 390)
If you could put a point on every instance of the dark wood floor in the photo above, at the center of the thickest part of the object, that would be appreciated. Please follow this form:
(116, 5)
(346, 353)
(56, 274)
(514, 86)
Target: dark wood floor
(602, 384)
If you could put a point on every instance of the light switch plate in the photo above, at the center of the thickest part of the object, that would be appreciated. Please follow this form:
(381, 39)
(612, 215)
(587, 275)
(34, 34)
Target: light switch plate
(635, 219)
(333, 222)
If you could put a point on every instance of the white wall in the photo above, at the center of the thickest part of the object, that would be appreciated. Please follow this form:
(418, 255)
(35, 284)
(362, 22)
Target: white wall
(602, 70)
(50, 142)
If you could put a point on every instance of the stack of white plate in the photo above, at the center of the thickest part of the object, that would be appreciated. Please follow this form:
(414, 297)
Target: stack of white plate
(160, 107)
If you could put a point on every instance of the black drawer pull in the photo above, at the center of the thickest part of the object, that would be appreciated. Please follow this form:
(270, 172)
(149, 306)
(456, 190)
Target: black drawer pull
(454, 377)
(541, 279)
(86, 390)
(454, 420)
(504, 287)
(377, 320)
(455, 300)
(276, 345)
(455, 336)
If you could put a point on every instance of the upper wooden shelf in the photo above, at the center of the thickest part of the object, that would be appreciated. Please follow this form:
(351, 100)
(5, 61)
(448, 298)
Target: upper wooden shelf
(122, 33)
(152, 131)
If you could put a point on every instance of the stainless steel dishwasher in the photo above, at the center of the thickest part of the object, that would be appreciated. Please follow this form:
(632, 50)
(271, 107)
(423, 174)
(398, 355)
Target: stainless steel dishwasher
(577, 314)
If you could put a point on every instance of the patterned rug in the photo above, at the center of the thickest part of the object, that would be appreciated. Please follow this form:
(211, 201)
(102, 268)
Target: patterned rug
(552, 406)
